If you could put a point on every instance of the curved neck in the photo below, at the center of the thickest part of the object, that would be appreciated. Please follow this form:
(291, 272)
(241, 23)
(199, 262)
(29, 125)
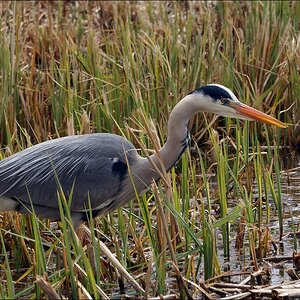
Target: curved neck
(177, 142)
(178, 134)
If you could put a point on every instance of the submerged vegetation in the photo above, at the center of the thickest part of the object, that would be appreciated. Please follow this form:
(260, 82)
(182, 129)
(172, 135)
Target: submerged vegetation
(77, 67)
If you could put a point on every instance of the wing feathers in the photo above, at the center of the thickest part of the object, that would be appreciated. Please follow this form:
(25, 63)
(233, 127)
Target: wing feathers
(96, 163)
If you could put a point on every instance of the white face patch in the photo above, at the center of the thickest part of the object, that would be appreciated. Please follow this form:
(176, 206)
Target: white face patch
(210, 100)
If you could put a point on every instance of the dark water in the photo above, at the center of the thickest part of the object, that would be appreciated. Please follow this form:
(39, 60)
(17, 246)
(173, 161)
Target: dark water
(241, 261)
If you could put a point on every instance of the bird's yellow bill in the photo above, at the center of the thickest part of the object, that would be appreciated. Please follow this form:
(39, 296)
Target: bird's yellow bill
(256, 115)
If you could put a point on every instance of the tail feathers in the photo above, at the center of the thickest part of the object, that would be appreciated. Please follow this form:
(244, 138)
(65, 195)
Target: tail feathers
(52, 213)
(8, 204)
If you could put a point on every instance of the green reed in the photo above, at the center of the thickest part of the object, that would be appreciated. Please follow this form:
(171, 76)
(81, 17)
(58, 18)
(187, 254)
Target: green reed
(72, 72)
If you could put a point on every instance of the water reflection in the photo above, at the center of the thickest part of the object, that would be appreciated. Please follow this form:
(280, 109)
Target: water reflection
(290, 184)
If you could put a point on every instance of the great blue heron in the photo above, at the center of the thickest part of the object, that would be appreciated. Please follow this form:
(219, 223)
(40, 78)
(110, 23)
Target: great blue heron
(104, 171)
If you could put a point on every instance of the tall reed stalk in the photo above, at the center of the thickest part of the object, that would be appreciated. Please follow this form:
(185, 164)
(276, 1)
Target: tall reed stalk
(83, 67)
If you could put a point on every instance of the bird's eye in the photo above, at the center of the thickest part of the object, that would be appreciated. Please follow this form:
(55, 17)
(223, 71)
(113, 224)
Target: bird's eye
(224, 100)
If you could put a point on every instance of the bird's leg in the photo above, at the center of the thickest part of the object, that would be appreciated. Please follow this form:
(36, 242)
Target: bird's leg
(115, 262)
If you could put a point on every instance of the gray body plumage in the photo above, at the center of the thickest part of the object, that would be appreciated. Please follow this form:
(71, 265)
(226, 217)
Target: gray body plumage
(92, 167)
(105, 170)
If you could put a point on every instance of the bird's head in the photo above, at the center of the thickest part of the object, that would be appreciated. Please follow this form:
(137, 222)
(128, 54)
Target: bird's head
(220, 100)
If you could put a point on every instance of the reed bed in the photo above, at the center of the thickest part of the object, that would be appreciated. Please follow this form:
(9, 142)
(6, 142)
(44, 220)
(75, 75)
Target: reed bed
(77, 67)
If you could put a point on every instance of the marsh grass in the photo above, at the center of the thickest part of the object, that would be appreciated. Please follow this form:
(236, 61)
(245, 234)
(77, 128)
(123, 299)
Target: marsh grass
(79, 67)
